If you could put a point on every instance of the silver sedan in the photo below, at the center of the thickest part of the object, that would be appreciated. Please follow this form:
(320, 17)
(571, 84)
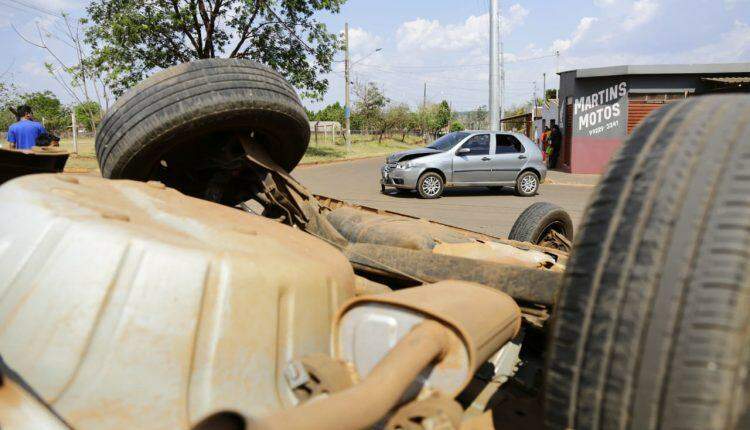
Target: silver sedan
(467, 159)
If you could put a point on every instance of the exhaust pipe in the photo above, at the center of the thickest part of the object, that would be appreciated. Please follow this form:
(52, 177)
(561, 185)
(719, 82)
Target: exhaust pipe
(429, 338)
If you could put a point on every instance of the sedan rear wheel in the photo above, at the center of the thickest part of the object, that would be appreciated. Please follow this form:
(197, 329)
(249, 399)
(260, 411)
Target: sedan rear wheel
(527, 184)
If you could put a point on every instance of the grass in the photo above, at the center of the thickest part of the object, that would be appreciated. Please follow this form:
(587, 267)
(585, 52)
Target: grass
(362, 146)
(323, 151)
(85, 160)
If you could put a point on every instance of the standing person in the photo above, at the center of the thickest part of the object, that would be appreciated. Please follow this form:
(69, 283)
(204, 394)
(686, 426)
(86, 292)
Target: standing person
(556, 144)
(23, 134)
(543, 142)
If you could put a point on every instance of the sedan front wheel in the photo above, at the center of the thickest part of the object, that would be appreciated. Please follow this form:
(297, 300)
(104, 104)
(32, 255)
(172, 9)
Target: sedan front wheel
(430, 185)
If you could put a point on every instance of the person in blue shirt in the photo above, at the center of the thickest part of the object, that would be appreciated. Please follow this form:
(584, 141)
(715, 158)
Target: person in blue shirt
(23, 134)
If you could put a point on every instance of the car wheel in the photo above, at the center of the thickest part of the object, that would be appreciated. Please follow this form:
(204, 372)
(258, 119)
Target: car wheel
(527, 184)
(430, 185)
(652, 327)
(382, 188)
(544, 224)
(179, 127)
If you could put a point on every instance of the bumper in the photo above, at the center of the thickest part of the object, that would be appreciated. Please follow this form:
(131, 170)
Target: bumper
(543, 172)
(399, 178)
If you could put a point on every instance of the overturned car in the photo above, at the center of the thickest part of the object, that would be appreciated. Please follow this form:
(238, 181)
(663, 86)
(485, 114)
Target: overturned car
(200, 286)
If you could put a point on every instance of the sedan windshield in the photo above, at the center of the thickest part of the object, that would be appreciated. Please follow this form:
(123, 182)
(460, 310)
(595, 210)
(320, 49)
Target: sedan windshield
(448, 141)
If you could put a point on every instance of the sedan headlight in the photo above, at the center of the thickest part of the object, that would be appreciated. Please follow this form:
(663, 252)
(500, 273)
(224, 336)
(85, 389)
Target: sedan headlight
(405, 165)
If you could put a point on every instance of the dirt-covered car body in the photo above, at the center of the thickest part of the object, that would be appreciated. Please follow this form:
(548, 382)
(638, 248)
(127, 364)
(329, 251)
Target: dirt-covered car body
(148, 309)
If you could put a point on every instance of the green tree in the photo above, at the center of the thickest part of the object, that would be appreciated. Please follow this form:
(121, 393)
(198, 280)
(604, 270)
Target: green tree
(370, 104)
(48, 109)
(88, 114)
(132, 38)
(457, 126)
(332, 112)
(516, 125)
(398, 118)
(443, 116)
(479, 118)
(551, 94)
(311, 115)
(8, 99)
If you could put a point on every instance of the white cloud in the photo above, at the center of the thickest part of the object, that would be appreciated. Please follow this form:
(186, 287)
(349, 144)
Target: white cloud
(641, 12)
(584, 25)
(34, 68)
(733, 45)
(362, 41)
(604, 3)
(430, 35)
(514, 18)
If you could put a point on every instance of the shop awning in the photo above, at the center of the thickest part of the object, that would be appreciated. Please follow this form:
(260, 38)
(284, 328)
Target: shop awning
(729, 80)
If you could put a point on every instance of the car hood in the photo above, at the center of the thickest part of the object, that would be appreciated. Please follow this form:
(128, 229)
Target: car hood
(411, 154)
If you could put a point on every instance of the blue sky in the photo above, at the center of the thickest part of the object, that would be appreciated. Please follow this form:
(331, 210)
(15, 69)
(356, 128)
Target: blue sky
(445, 43)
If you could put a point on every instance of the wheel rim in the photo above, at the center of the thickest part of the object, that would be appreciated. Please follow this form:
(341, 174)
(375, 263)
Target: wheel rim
(430, 186)
(528, 184)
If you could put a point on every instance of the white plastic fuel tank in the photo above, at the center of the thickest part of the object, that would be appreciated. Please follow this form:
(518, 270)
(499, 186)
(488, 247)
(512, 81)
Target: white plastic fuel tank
(130, 305)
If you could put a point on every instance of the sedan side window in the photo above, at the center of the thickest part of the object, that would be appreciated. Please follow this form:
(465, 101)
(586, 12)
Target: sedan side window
(479, 144)
(507, 144)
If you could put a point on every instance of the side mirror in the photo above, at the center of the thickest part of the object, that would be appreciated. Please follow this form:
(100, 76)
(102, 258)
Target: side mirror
(463, 151)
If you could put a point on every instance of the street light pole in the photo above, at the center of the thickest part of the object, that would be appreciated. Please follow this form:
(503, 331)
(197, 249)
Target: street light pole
(494, 76)
(347, 108)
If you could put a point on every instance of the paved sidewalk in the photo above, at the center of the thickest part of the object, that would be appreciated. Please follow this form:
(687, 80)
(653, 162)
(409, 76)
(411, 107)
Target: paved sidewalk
(563, 178)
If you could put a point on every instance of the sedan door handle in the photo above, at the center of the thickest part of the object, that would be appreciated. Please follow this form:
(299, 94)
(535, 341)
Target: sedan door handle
(486, 159)
(521, 157)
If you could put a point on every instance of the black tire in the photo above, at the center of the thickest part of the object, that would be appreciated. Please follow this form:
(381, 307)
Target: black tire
(183, 116)
(652, 327)
(535, 222)
(433, 178)
(520, 184)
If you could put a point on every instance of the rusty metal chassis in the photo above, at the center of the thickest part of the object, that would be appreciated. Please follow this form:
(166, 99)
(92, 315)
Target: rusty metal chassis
(290, 202)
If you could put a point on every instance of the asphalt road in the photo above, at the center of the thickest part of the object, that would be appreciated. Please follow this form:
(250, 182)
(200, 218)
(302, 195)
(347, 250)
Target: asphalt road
(477, 209)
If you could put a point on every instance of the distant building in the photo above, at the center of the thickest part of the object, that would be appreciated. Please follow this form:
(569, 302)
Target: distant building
(600, 107)
(325, 126)
(324, 131)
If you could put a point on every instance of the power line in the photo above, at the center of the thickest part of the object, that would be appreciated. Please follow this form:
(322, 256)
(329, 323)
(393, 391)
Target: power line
(433, 78)
(36, 7)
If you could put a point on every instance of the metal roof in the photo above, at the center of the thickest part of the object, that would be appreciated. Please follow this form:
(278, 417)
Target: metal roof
(663, 69)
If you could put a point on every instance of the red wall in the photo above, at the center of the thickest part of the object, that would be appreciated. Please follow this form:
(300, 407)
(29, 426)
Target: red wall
(592, 154)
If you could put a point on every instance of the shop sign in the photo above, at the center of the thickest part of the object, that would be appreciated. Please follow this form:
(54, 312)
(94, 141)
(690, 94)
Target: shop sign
(601, 110)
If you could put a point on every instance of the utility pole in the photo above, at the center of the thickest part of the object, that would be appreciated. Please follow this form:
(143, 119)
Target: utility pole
(557, 61)
(74, 130)
(424, 112)
(544, 87)
(494, 76)
(502, 64)
(347, 107)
